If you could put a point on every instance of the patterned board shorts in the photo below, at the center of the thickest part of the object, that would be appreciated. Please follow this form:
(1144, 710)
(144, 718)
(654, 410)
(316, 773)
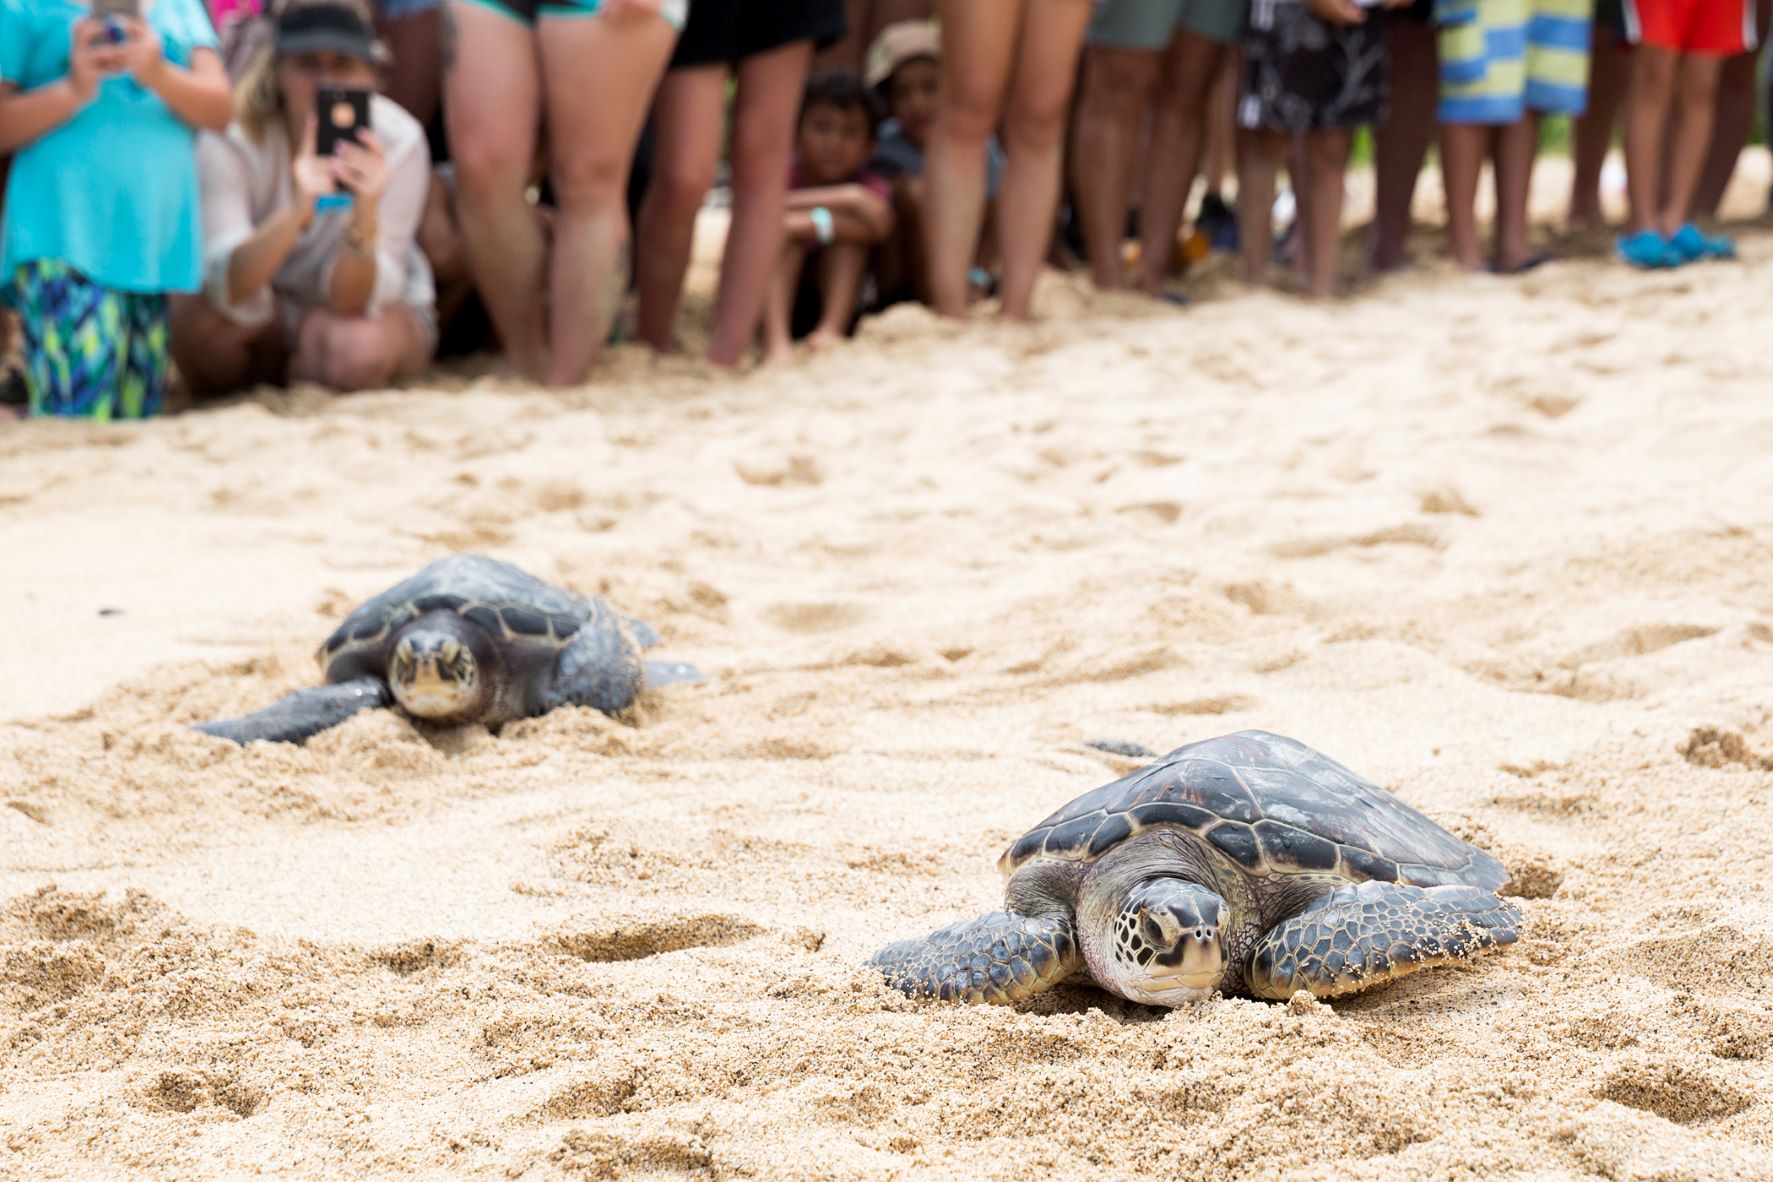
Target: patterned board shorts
(1303, 74)
(90, 351)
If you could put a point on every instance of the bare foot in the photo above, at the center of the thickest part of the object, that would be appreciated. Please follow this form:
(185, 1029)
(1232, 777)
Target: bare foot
(777, 353)
(822, 338)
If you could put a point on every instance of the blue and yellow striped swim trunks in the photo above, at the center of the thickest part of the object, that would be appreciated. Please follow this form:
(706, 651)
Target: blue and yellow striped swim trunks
(1503, 58)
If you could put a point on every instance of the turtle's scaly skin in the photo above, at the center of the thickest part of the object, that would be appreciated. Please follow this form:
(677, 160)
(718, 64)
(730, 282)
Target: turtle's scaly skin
(1376, 931)
(1288, 870)
(999, 958)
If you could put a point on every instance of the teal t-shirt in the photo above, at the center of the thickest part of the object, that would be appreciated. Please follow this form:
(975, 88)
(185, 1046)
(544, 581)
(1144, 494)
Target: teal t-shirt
(113, 191)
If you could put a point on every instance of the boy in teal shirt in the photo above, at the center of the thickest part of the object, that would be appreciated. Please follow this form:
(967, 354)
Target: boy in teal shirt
(101, 217)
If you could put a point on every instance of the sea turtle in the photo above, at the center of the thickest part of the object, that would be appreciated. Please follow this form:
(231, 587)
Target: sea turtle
(1248, 863)
(468, 639)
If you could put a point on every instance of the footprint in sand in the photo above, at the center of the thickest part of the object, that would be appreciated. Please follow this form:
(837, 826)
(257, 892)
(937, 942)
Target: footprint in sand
(187, 1091)
(643, 938)
(1674, 1091)
(814, 617)
(1410, 533)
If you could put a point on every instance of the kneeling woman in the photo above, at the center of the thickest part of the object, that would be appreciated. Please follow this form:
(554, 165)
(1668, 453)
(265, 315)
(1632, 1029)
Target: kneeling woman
(296, 288)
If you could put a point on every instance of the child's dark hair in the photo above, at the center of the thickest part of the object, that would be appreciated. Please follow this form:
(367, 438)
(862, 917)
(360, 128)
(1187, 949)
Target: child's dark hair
(845, 90)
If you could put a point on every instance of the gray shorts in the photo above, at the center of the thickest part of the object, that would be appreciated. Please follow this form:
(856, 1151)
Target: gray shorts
(1152, 24)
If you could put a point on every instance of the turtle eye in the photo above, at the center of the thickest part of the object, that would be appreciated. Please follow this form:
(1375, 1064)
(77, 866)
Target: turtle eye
(451, 650)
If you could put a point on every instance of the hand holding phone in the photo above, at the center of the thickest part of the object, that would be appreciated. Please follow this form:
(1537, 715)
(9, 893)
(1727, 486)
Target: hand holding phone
(92, 58)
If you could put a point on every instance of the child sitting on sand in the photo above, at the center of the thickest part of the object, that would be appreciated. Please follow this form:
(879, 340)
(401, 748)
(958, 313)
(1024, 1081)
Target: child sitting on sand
(1316, 71)
(903, 72)
(838, 211)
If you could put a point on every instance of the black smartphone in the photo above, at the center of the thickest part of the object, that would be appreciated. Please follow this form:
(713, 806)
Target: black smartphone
(340, 113)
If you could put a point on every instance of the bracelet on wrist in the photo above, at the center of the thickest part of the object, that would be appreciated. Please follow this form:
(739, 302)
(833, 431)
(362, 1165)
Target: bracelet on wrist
(359, 243)
(824, 225)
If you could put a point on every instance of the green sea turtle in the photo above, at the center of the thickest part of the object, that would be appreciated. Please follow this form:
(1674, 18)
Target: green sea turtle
(468, 639)
(1244, 864)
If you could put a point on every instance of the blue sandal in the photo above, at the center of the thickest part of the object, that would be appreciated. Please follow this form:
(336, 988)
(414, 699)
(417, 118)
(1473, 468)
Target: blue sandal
(1649, 251)
(1692, 244)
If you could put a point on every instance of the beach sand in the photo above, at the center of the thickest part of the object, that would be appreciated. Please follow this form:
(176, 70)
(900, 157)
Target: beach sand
(1503, 546)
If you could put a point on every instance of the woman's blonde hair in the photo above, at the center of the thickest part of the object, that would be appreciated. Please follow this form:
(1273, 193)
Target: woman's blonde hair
(258, 99)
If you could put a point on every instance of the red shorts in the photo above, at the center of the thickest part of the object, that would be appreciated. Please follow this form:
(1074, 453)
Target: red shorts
(1693, 26)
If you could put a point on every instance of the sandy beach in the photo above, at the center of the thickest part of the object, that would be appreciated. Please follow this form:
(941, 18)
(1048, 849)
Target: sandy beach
(1504, 547)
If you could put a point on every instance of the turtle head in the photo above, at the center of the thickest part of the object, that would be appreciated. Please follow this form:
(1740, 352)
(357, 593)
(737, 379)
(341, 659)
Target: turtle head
(1168, 943)
(435, 675)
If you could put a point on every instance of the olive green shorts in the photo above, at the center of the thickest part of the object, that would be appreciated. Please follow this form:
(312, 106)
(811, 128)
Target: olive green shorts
(1151, 24)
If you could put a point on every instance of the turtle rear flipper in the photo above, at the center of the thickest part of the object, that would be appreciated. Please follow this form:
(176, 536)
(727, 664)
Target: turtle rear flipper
(296, 717)
(1002, 957)
(1360, 936)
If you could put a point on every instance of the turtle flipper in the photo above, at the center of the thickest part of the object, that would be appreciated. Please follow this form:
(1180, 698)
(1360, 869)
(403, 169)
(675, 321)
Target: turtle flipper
(1360, 936)
(599, 669)
(1002, 958)
(297, 717)
(645, 635)
(670, 673)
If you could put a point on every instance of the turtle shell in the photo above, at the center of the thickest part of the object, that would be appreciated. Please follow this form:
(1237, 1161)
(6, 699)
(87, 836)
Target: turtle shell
(1273, 806)
(516, 608)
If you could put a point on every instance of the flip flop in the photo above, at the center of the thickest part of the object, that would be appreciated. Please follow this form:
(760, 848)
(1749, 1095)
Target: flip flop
(1531, 262)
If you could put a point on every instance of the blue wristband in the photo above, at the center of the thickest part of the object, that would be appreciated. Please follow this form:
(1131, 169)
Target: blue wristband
(824, 225)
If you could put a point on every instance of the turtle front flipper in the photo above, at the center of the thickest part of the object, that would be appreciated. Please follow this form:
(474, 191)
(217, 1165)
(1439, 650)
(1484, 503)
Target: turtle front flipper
(296, 717)
(1360, 936)
(1001, 958)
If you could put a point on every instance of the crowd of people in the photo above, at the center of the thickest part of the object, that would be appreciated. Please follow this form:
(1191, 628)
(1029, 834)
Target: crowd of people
(527, 175)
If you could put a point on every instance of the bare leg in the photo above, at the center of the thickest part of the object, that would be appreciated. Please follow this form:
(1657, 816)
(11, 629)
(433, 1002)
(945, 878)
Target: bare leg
(840, 277)
(1516, 147)
(1592, 133)
(1326, 163)
(1118, 85)
(778, 312)
(1035, 108)
(414, 74)
(1652, 91)
(1259, 156)
(1734, 121)
(1695, 101)
(770, 86)
(600, 76)
(1463, 149)
(979, 41)
(1178, 138)
(1401, 142)
(1222, 122)
(493, 108)
(687, 123)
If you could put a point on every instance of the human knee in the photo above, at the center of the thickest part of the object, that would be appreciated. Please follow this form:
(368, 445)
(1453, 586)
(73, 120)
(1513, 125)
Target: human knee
(592, 178)
(677, 189)
(486, 159)
(1036, 122)
(969, 111)
(359, 354)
